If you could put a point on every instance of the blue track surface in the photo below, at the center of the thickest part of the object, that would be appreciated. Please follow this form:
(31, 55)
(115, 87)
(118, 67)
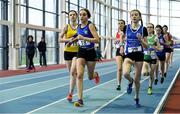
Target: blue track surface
(45, 92)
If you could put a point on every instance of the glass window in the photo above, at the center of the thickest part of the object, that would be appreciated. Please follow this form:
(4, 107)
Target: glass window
(82, 3)
(175, 11)
(35, 17)
(164, 21)
(153, 19)
(74, 1)
(142, 6)
(73, 7)
(164, 8)
(153, 7)
(175, 27)
(144, 18)
(132, 4)
(23, 37)
(23, 14)
(3, 10)
(124, 2)
(51, 49)
(50, 20)
(1, 6)
(50, 5)
(1, 35)
(23, 2)
(36, 4)
(115, 3)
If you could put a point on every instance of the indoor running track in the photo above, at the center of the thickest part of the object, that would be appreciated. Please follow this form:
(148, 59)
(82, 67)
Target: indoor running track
(45, 92)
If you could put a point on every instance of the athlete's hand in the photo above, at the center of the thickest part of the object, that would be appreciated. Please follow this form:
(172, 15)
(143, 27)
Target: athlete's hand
(139, 36)
(68, 44)
(80, 37)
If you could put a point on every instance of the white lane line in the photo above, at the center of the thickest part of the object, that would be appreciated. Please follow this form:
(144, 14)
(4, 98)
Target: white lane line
(34, 76)
(95, 111)
(65, 98)
(39, 73)
(46, 90)
(161, 103)
(43, 81)
(10, 89)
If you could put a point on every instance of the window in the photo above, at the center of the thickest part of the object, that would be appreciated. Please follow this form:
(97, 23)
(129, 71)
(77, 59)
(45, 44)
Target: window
(50, 20)
(36, 4)
(153, 7)
(35, 17)
(50, 5)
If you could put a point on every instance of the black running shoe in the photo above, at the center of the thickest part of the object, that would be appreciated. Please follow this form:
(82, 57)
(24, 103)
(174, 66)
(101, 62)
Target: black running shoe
(129, 88)
(162, 80)
(118, 88)
(137, 103)
(165, 74)
(155, 81)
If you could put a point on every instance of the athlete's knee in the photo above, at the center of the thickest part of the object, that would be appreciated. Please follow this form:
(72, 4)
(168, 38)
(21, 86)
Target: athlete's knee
(80, 75)
(126, 74)
(119, 69)
(137, 81)
(74, 73)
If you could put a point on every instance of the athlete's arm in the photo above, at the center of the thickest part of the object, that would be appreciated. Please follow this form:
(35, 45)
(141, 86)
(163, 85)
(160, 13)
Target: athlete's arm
(62, 37)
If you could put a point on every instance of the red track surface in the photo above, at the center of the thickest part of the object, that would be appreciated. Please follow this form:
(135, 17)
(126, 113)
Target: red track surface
(5, 73)
(172, 104)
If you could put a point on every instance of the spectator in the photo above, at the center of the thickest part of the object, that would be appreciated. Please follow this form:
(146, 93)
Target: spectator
(42, 52)
(30, 51)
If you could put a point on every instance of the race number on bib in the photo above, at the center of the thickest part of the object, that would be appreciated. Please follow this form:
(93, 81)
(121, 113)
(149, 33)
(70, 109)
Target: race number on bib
(134, 49)
(83, 43)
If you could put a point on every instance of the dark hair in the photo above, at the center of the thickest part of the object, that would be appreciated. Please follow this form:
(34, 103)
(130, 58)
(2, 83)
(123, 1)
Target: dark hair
(139, 15)
(122, 21)
(72, 11)
(29, 37)
(87, 11)
(152, 26)
(159, 26)
(165, 26)
(67, 13)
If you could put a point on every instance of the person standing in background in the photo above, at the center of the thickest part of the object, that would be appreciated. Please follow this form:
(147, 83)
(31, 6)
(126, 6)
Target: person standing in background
(42, 52)
(30, 51)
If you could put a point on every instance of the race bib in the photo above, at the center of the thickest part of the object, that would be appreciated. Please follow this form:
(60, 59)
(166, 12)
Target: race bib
(83, 43)
(134, 49)
(153, 54)
(147, 52)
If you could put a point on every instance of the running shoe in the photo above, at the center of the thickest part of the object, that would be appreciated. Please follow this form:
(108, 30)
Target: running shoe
(27, 70)
(165, 74)
(118, 88)
(155, 81)
(150, 91)
(69, 97)
(129, 88)
(162, 80)
(97, 78)
(137, 103)
(79, 103)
